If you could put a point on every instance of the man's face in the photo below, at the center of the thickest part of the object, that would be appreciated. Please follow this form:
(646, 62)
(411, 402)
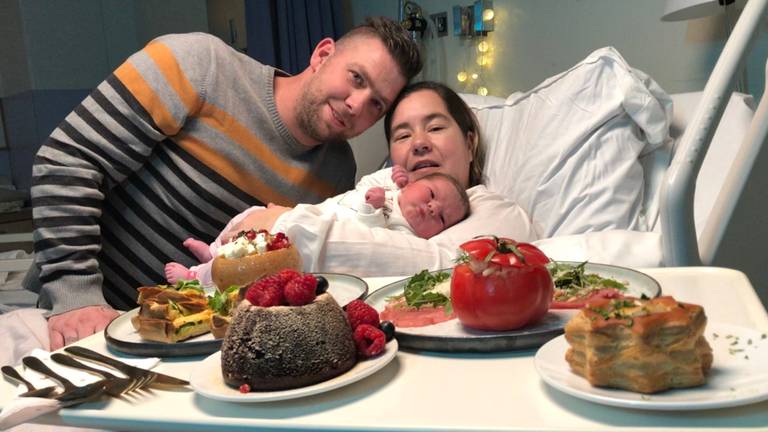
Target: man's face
(353, 85)
(431, 205)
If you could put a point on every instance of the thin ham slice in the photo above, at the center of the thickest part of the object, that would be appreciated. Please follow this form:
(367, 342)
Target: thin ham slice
(404, 316)
(578, 303)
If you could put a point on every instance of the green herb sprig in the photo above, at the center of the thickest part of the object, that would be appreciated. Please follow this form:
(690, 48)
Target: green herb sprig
(572, 281)
(419, 291)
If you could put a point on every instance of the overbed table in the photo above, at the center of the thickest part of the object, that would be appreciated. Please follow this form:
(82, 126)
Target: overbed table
(431, 391)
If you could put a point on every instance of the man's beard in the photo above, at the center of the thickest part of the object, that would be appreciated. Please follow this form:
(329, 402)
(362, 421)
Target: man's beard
(308, 117)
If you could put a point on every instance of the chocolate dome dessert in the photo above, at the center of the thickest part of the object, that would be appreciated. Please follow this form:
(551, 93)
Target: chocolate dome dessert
(284, 347)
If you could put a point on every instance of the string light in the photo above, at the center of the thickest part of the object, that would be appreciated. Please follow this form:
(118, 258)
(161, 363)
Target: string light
(472, 78)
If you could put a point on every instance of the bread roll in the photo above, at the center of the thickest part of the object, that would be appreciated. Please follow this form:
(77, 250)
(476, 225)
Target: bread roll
(241, 271)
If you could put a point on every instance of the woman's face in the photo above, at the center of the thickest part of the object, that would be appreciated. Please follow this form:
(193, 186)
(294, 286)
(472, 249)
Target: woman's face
(426, 139)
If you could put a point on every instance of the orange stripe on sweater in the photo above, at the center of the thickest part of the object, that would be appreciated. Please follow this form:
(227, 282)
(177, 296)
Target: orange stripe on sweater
(228, 125)
(231, 171)
(174, 75)
(132, 79)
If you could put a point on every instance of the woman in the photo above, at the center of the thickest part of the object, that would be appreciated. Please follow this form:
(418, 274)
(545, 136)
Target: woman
(429, 129)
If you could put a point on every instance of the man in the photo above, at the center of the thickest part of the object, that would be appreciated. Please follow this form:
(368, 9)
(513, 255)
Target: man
(180, 138)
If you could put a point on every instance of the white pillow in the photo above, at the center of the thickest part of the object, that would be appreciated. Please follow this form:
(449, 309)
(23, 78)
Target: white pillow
(567, 151)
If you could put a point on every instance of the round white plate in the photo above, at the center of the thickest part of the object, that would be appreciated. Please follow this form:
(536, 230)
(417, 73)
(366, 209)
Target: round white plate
(121, 335)
(208, 381)
(452, 336)
(738, 375)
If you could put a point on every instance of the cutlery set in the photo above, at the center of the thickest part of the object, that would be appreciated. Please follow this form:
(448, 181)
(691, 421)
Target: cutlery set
(71, 394)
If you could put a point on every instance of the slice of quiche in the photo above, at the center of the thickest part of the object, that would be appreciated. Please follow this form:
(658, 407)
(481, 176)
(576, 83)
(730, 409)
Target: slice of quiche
(172, 313)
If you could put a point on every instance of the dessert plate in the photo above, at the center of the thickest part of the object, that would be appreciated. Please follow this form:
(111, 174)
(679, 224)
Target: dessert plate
(738, 375)
(121, 336)
(206, 379)
(451, 336)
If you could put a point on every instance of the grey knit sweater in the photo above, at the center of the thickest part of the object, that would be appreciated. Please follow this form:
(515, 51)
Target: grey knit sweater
(182, 137)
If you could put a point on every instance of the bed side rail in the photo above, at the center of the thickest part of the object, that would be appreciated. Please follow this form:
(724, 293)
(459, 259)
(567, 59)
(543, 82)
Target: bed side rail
(680, 246)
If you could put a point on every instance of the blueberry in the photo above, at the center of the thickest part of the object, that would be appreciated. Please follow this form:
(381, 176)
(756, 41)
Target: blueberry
(322, 285)
(388, 328)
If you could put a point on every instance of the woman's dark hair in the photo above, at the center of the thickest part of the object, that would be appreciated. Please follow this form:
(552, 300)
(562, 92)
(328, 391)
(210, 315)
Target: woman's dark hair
(460, 112)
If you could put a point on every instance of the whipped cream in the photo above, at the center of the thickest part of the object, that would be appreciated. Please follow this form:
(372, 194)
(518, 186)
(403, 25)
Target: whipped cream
(241, 246)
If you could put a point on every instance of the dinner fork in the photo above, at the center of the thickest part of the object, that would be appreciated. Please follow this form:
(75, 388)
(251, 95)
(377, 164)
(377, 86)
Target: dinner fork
(71, 392)
(113, 385)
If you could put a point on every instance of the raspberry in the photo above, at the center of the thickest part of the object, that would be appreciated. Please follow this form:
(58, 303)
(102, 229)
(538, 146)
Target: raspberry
(286, 275)
(245, 388)
(360, 312)
(300, 290)
(279, 241)
(250, 235)
(369, 340)
(265, 292)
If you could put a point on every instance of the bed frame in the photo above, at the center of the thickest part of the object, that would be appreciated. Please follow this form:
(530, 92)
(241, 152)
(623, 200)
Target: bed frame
(679, 242)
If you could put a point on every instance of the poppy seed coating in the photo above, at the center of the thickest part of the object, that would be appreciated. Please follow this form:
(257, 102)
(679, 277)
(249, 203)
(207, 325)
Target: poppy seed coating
(283, 347)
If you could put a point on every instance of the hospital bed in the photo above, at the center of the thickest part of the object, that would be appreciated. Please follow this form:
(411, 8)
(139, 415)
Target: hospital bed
(682, 159)
(661, 194)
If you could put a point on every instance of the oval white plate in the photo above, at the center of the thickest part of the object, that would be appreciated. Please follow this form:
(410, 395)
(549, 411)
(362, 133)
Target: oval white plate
(121, 335)
(207, 380)
(451, 336)
(737, 377)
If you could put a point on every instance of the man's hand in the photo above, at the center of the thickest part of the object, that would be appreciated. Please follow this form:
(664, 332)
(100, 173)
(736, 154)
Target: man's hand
(399, 176)
(74, 325)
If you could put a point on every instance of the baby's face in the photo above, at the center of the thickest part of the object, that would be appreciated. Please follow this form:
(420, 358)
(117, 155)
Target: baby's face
(430, 206)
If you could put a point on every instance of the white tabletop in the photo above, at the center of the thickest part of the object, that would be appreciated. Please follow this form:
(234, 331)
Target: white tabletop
(432, 391)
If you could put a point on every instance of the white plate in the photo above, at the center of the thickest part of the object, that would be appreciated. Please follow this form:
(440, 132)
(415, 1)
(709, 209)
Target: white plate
(451, 336)
(208, 381)
(121, 335)
(737, 377)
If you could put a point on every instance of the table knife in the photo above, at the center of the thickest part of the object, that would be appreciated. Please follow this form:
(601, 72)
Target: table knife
(127, 369)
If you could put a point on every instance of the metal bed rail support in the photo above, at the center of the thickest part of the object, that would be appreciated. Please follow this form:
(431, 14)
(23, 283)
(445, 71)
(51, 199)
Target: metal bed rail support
(734, 182)
(679, 242)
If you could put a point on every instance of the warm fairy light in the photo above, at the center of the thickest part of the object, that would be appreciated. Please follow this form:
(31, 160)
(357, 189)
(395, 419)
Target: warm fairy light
(483, 46)
(482, 60)
(482, 91)
(461, 76)
(475, 76)
(488, 14)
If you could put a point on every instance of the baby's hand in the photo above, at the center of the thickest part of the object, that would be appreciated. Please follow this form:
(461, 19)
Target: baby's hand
(375, 197)
(399, 176)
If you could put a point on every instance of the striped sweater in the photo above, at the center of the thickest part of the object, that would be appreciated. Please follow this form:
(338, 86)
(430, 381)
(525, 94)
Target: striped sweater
(179, 139)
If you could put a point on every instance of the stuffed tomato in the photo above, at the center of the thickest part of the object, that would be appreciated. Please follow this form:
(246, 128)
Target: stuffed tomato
(500, 284)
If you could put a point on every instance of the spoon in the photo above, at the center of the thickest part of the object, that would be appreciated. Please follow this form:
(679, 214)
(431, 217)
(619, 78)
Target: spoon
(31, 390)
